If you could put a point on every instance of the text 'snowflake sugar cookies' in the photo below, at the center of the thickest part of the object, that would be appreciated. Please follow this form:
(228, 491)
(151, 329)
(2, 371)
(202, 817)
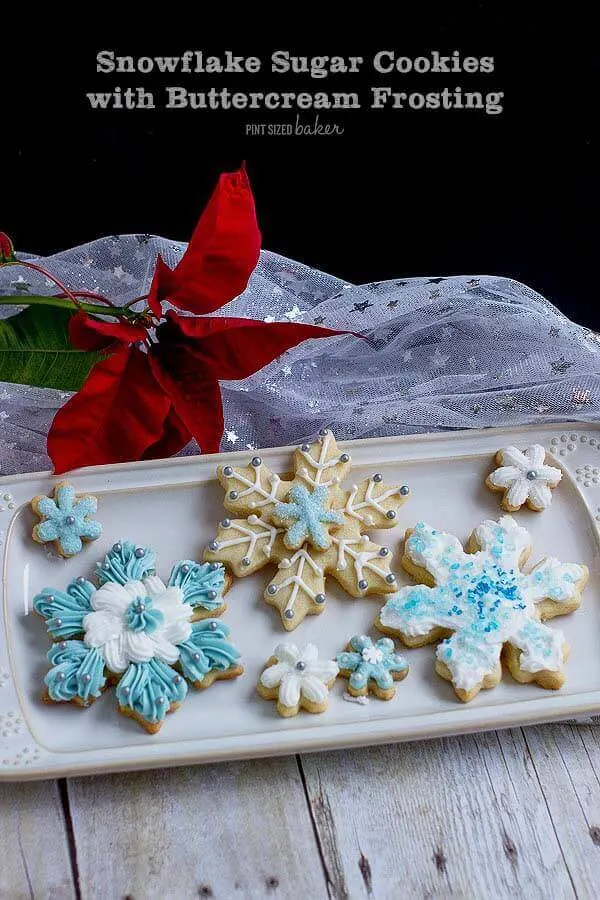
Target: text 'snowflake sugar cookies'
(308, 526)
(523, 477)
(65, 519)
(481, 603)
(147, 636)
(372, 666)
(297, 679)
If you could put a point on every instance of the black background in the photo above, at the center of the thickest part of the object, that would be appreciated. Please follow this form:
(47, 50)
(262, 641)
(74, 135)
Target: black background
(400, 193)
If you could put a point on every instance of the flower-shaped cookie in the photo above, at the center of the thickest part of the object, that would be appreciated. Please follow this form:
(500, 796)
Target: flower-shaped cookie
(523, 477)
(297, 679)
(314, 518)
(138, 632)
(372, 666)
(483, 605)
(64, 519)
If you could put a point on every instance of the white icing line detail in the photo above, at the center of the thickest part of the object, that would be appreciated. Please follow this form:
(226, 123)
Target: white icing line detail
(369, 502)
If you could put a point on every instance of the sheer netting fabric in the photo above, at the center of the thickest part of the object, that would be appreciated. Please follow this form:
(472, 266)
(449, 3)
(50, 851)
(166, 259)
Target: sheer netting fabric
(437, 353)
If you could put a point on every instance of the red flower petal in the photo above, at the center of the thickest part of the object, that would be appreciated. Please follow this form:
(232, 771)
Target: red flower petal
(87, 333)
(7, 251)
(116, 416)
(175, 437)
(195, 394)
(231, 348)
(221, 255)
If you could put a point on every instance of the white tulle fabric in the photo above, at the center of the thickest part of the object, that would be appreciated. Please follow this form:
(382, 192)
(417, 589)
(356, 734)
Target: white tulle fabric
(106, 628)
(441, 353)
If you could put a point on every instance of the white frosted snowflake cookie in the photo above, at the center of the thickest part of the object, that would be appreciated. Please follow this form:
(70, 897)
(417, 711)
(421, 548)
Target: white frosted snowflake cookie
(297, 679)
(523, 477)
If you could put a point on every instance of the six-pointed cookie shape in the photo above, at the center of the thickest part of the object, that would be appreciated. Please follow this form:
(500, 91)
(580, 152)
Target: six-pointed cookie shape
(297, 679)
(372, 666)
(65, 519)
(481, 605)
(523, 477)
(308, 526)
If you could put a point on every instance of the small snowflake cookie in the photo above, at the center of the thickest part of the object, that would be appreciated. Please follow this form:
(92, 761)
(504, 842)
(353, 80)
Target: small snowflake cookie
(65, 519)
(134, 630)
(523, 477)
(483, 605)
(372, 666)
(308, 527)
(297, 679)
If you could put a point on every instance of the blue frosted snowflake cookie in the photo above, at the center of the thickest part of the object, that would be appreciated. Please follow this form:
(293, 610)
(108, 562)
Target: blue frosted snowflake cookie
(483, 607)
(372, 666)
(65, 519)
(134, 630)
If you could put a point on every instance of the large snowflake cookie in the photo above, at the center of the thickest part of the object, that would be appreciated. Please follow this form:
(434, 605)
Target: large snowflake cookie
(65, 519)
(372, 666)
(308, 526)
(482, 604)
(133, 630)
(523, 477)
(297, 679)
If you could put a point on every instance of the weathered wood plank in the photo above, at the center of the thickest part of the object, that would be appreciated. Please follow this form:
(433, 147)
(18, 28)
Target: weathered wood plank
(34, 849)
(456, 817)
(567, 759)
(231, 830)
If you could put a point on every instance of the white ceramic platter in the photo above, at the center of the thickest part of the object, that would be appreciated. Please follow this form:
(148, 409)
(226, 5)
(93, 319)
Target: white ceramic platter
(174, 506)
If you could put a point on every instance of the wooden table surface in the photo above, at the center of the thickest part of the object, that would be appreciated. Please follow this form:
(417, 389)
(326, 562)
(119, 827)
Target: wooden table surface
(503, 814)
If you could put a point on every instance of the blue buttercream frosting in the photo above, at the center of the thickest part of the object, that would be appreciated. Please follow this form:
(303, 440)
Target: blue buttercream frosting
(126, 561)
(150, 689)
(308, 511)
(65, 519)
(207, 649)
(371, 660)
(77, 672)
(141, 616)
(64, 611)
(201, 584)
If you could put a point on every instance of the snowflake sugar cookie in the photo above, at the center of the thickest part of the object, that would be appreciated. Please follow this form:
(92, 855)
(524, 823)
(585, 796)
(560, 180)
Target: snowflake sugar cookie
(297, 679)
(65, 519)
(482, 603)
(134, 630)
(372, 666)
(308, 526)
(523, 477)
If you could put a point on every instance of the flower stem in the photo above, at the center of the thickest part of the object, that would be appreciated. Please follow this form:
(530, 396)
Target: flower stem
(66, 303)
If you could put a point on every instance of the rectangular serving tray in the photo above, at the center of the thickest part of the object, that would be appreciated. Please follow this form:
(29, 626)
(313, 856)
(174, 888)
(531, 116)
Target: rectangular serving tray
(174, 505)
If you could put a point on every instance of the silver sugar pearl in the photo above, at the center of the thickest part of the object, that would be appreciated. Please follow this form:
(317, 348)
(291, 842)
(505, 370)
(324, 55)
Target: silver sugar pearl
(256, 461)
(531, 475)
(404, 490)
(390, 578)
(384, 551)
(126, 691)
(378, 477)
(214, 566)
(185, 568)
(117, 547)
(60, 676)
(225, 523)
(272, 589)
(289, 614)
(228, 471)
(139, 552)
(177, 679)
(160, 701)
(390, 514)
(345, 457)
(213, 626)
(233, 495)
(301, 665)
(106, 566)
(57, 623)
(212, 595)
(305, 447)
(246, 561)
(70, 520)
(213, 546)
(195, 657)
(63, 645)
(320, 598)
(80, 580)
(50, 598)
(323, 431)
(86, 678)
(141, 607)
(362, 584)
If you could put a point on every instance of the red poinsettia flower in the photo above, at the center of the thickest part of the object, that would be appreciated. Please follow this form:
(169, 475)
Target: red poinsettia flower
(158, 384)
(7, 251)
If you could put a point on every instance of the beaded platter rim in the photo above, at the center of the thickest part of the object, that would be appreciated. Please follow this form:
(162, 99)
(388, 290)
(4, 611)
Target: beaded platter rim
(575, 447)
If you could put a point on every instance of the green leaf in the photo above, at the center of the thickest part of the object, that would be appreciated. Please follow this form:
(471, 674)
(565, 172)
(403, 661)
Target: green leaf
(35, 350)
